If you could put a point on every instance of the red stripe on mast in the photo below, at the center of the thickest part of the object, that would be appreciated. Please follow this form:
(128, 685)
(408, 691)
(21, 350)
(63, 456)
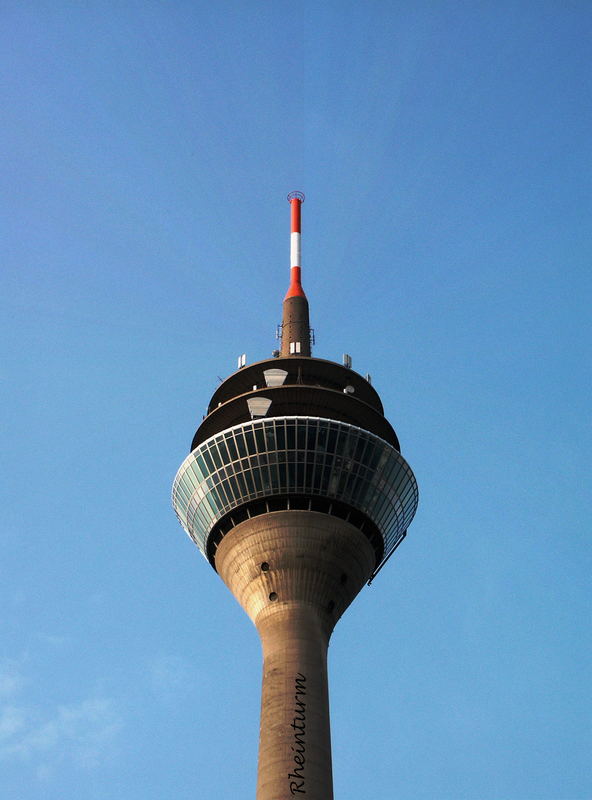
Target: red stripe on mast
(295, 202)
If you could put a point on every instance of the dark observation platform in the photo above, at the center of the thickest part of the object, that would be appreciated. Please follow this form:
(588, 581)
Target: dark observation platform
(296, 387)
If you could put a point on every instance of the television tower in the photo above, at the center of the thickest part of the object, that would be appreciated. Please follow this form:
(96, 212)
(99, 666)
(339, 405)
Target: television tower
(296, 492)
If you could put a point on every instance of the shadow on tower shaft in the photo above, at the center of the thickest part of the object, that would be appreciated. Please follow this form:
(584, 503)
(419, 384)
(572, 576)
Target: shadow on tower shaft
(297, 494)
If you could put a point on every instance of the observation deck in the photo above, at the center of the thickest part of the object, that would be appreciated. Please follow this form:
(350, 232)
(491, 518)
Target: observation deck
(308, 387)
(295, 462)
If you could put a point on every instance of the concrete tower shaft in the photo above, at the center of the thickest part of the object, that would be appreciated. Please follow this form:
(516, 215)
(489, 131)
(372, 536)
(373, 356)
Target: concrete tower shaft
(295, 573)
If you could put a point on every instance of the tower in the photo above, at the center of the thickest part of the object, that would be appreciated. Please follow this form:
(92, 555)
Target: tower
(296, 492)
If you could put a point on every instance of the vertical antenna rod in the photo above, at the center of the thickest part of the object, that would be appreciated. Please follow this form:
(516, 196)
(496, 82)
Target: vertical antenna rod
(295, 323)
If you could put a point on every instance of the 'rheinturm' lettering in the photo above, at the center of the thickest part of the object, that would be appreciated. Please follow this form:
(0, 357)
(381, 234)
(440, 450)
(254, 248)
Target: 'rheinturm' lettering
(296, 777)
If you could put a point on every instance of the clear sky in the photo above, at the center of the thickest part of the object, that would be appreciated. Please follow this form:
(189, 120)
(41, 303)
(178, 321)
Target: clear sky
(445, 151)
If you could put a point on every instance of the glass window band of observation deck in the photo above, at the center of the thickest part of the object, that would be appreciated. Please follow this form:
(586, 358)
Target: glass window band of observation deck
(295, 455)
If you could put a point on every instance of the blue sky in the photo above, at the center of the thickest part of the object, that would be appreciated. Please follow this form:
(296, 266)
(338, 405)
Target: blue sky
(444, 148)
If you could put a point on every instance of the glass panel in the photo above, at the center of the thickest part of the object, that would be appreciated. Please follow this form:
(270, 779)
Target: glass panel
(407, 495)
(389, 471)
(241, 484)
(342, 481)
(240, 443)
(372, 456)
(257, 478)
(311, 436)
(222, 450)
(280, 434)
(270, 436)
(260, 439)
(359, 449)
(398, 483)
(208, 459)
(331, 439)
(357, 489)
(233, 487)
(299, 475)
(301, 435)
(250, 440)
(265, 479)
(327, 472)
(384, 455)
(189, 478)
(222, 495)
(249, 483)
(291, 475)
(201, 464)
(196, 472)
(321, 436)
(356, 476)
(274, 478)
(201, 519)
(215, 500)
(230, 495)
(215, 455)
(317, 475)
(333, 483)
(290, 436)
(231, 446)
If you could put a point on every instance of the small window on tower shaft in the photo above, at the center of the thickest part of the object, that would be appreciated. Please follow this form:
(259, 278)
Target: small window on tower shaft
(294, 347)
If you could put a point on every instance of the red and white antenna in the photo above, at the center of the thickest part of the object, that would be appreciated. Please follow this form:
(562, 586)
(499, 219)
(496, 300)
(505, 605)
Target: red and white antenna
(295, 289)
(296, 333)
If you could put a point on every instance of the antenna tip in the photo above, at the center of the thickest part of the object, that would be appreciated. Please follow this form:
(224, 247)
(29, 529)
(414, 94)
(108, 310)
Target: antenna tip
(296, 196)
